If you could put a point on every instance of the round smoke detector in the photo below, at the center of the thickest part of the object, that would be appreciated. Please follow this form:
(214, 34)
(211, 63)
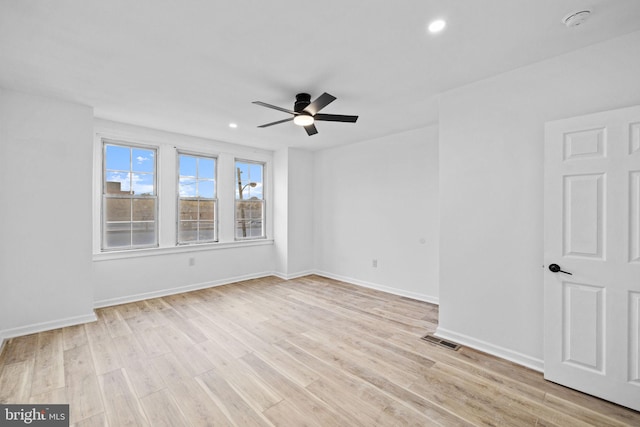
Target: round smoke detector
(575, 19)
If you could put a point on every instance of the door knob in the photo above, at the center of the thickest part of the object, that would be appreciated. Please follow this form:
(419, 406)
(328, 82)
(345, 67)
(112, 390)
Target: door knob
(555, 268)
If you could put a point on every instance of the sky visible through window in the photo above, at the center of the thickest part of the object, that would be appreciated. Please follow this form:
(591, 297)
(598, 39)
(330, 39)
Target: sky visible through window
(249, 172)
(133, 168)
(197, 177)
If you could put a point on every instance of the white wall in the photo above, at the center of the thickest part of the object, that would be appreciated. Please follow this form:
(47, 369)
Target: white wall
(491, 190)
(45, 219)
(293, 212)
(121, 280)
(379, 200)
(281, 209)
(301, 213)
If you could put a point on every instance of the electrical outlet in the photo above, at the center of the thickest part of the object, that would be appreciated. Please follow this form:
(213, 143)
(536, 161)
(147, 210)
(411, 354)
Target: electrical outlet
(192, 262)
(374, 263)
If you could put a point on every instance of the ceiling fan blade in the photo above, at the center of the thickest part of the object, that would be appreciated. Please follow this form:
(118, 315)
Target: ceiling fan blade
(275, 107)
(335, 118)
(276, 123)
(320, 102)
(311, 129)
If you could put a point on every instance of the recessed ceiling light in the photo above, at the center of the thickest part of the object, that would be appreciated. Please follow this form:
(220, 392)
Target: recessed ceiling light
(437, 26)
(233, 125)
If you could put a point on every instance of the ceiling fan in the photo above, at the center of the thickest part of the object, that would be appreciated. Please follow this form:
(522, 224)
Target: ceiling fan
(305, 112)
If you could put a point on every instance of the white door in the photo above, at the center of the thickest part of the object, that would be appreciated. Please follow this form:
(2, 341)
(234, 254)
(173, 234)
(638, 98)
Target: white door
(592, 230)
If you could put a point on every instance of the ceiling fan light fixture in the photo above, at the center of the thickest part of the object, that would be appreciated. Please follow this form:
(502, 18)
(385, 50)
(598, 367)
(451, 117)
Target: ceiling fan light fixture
(437, 26)
(303, 119)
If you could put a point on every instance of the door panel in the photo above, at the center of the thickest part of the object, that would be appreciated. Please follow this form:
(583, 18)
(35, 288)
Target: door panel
(584, 144)
(634, 328)
(592, 230)
(583, 215)
(583, 326)
(634, 220)
(634, 138)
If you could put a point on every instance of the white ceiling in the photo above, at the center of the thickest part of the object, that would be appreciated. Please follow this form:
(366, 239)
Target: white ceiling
(194, 66)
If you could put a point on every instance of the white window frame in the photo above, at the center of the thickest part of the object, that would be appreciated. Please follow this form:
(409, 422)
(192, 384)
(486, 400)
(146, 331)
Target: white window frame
(106, 196)
(197, 155)
(263, 235)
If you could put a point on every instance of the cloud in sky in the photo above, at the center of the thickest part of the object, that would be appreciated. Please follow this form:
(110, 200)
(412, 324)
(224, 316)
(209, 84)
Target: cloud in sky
(187, 187)
(142, 183)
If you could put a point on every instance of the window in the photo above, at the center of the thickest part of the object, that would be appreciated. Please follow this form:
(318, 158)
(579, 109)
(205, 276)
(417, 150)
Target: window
(249, 200)
(129, 197)
(196, 199)
(157, 194)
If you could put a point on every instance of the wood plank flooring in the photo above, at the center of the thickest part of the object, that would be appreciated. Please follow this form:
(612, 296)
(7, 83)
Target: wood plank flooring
(270, 352)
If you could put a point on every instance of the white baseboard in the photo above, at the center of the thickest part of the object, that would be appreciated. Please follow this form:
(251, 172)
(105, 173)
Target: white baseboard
(395, 291)
(503, 353)
(285, 276)
(291, 276)
(172, 291)
(46, 326)
(6, 334)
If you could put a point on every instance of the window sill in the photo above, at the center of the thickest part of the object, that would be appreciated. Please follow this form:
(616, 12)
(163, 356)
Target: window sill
(137, 253)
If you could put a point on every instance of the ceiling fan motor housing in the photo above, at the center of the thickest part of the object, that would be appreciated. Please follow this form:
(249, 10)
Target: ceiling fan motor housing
(302, 100)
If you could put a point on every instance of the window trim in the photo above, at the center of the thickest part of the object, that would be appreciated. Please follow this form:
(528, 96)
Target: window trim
(179, 152)
(167, 250)
(103, 194)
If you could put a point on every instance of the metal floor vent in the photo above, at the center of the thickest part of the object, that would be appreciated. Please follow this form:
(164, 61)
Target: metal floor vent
(444, 343)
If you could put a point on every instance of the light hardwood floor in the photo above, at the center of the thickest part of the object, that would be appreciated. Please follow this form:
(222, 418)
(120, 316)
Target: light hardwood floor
(304, 352)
